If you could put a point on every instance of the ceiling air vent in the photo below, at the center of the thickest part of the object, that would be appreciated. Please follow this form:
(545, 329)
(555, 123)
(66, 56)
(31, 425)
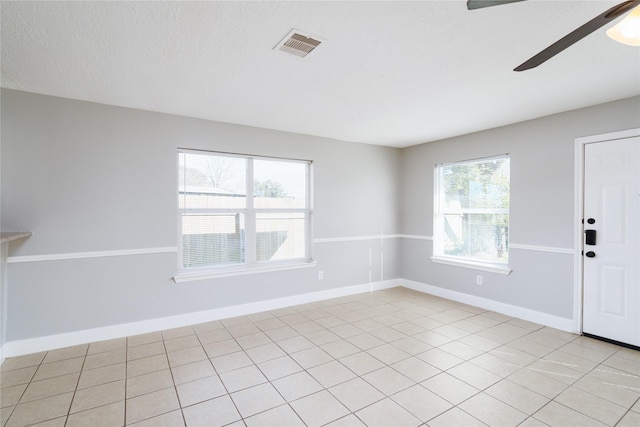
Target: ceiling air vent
(298, 44)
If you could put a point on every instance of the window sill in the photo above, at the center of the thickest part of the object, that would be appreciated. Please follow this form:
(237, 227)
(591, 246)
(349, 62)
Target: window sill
(492, 268)
(204, 274)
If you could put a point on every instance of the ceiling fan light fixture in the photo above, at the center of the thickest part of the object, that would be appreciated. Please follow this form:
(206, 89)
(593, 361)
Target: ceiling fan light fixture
(627, 31)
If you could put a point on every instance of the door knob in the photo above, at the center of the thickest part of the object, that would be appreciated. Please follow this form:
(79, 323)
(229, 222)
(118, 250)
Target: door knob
(590, 254)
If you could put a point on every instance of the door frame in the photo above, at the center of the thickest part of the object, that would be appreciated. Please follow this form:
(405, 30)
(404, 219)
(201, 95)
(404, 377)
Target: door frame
(578, 210)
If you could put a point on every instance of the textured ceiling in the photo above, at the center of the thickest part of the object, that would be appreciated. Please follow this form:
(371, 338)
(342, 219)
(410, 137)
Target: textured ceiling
(389, 73)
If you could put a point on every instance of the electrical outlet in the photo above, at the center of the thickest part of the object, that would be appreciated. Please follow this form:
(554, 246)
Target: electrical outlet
(320, 275)
(478, 280)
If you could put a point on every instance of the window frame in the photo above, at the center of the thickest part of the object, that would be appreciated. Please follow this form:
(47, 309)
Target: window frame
(440, 211)
(250, 264)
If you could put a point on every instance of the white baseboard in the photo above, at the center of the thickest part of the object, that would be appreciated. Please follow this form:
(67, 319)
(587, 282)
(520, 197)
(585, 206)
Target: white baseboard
(52, 342)
(538, 317)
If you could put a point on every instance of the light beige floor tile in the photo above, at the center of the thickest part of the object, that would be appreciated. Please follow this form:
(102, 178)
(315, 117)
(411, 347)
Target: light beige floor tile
(449, 388)
(311, 357)
(296, 386)
(631, 419)
(268, 324)
(281, 333)
(181, 343)
(9, 396)
(355, 394)
(177, 332)
(307, 327)
(40, 410)
(231, 361)
(147, 365)
(387, 413)
(537, 382)
(513, 355)
(192, 371)
(50, 387)
(388, 334)
(411, 346)
(56, 422)
(307, 409)
(253, 340)
(150, 405)
(256, 399)
(556, 370)
(104, 359)
(66, 353)
(613, 385)
(590, 349)
(339, 349)
(387, 380)
(331, 373)
(243, 330)
(636, 407)
(99, 395)
(59, 368)
(574, 362)
(388, 354)
(200, 390)
(147, 383)
(207, 326)
(361, 363)
(20, 362)
(322, 337)
(440, 359)
(517, 396)
(588, 404)
(111, 415)
(455, 418)
(281, 416)
(17, 376)
(479, 342)
(212, 413)
(294, 344)
(170, 419)
(265, 352)
(491, 411)
(348, 421)
(221, 348)
(495, 365)
(280, 367)
(186, 356)
(365, 341)
(107, 345)
(346, 330)
(555, 414)
(214, 335)
(106, 374)
(145, 350)
(474, 375)
(627, 364)
(421, 402)
(242, 378)
(137, 340)
(532, 422)
(415, 369)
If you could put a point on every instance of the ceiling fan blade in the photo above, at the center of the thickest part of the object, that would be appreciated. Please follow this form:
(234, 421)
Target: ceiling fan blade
(479, 4)
(578, 34)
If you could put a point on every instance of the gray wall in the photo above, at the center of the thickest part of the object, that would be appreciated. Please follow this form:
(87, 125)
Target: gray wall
(542, 204)
(89, 177)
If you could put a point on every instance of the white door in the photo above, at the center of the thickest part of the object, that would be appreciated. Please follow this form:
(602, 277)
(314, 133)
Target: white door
(611, 307)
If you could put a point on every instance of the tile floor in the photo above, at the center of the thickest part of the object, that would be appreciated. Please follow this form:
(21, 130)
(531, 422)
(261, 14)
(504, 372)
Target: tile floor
(389, 358)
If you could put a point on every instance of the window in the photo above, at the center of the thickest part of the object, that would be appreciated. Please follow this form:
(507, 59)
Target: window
(471, 221)
(242, 212)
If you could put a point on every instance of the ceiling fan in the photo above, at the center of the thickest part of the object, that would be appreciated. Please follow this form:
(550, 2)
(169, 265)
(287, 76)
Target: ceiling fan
(571, 38)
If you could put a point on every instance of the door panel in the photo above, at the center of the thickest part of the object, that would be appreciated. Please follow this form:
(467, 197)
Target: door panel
(611, 307)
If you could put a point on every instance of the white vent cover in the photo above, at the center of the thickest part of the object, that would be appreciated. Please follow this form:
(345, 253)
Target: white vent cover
(297, 43)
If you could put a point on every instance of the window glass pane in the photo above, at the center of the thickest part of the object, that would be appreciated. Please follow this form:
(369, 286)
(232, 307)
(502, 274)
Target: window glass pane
(476, 185)
(479, 237)
(212, 239)
(279, 184)
(280, 236)
(212, 182)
